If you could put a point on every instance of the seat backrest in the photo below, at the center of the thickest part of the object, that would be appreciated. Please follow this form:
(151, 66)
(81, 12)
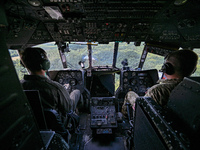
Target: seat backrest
(54, 120)
(152, 130)
(34, 99)
(184, 103)
(46, 118)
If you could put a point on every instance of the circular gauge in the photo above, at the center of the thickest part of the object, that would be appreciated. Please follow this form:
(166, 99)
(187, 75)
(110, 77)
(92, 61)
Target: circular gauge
(141, 82)
(73, 74)
(133, 74)
(133, 82)
(79, 75)
(67, 75)
(73, 82)
(125, 80)
(125, 74)
(60, 81)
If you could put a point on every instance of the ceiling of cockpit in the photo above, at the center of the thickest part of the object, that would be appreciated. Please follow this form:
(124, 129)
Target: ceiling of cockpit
(173, 22)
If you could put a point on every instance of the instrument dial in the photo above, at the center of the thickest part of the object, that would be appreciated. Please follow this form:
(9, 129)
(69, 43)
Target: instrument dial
(73, 82)
(79, 75)
(60, 81)
(125, 74)
(73, 74)
(125, 80)
(67, 75)
(133, 82)
(133, 74)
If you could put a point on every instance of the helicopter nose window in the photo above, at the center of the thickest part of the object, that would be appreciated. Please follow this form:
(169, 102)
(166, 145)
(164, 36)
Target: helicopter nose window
(103, 54)
(129, 52)
(16, 61)
(73, 56)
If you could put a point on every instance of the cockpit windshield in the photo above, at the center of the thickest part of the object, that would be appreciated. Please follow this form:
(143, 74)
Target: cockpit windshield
(130, 52)
(102, 55)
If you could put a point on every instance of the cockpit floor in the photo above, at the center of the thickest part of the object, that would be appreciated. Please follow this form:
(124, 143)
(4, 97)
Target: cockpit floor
(86, 139)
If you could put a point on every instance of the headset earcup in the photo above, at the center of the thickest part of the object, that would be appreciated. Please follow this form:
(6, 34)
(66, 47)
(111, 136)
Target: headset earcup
(45, 65)
(169, 69)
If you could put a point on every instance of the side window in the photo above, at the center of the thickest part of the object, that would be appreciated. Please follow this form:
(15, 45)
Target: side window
(154, 61)
(197, 72)
(16, 61)
(52, 54)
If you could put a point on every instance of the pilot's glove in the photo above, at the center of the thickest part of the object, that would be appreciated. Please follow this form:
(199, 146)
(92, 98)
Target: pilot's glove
(68, 87)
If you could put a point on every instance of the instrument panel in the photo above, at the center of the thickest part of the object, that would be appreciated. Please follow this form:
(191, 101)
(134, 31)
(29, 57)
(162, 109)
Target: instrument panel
(138, 81)
(171, 22)
(103, 115)
(72, 77)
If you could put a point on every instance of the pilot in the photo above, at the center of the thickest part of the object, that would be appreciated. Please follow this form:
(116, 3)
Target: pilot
(177, 65)
(53, 95)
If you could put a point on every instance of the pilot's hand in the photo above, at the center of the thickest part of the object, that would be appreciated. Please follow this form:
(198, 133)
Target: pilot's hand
(68, 87)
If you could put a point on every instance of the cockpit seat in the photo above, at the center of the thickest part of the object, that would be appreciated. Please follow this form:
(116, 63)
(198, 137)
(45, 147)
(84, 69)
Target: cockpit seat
(184, 105)
(47, 119)
(151, 130)
(176, 126)
(54, 122)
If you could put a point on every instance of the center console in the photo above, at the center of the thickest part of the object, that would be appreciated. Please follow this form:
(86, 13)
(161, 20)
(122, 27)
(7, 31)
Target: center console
(103, 115)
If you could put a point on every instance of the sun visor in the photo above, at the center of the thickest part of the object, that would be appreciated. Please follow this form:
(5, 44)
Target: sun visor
(54, 12)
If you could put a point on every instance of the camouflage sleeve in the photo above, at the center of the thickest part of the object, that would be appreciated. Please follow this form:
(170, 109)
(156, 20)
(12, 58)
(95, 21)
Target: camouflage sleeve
(129, 98)
(159, 93)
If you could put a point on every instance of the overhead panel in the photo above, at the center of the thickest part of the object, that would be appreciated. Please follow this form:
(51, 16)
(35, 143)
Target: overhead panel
(170, 22)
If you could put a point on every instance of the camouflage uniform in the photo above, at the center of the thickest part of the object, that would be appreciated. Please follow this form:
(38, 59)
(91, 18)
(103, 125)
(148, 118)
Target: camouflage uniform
(159, 92)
